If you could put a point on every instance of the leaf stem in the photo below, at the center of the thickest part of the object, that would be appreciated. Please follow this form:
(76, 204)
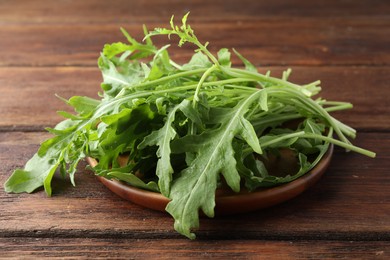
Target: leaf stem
(340, 143)
(169, 78)
(234, 72)
(281, 138)
(200, 83)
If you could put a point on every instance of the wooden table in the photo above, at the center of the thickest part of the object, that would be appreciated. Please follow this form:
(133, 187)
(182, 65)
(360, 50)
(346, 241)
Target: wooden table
(49, 47)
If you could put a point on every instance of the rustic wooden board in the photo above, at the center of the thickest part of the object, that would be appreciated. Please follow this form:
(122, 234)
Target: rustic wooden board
(28, 98)
(32, 91)
(304, 41)
(110, 248)
(91, 11)
(50, 47)
(348, 203)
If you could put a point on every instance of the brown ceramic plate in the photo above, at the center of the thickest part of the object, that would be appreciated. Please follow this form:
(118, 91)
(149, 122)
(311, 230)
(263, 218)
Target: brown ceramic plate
(226, 202)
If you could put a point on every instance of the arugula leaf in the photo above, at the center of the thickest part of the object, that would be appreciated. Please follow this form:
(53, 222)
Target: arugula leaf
(196, 187)
(133, 180)
(162, 139)
(198, 60)
(64, 151)
(120, 75)
(248, 65)
(37, 171)
(224, 57)
(84, 106)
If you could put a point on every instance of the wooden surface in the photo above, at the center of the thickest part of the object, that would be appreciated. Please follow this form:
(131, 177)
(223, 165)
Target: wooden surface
(49, 47)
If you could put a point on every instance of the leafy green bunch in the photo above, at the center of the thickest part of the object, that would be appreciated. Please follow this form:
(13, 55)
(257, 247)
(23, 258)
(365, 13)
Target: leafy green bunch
(187, 129)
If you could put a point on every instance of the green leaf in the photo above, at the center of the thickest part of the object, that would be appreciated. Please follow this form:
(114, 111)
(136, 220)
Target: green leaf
(118, 76)
(224, 57)
(309, 126)
(248, 133)
(198, 60)
(111, 50)
(248, 65)
(83, 105)
(38, 171)
(195, 189)
(121, 132)
(263, 100)
(250, 168)
(134, 181)
(162, 138)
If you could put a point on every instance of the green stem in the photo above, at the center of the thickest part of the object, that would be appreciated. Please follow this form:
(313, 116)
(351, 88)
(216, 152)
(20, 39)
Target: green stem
(277, 119)
(281, 138)
(259, 77)
(169, 78)
(204, 49)
(315, 106)
(341, 144)
(338, 107)
(200, 83)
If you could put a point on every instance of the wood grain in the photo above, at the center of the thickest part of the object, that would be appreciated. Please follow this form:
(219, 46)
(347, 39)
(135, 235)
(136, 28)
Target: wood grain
(110, 248)
(117, 11)
(28, 98)
(304, 41)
